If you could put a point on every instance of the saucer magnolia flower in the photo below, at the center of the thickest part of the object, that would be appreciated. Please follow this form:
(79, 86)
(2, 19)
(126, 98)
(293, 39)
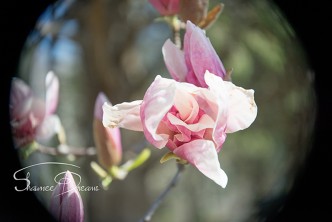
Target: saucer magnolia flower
(66, 202)
(192, 122)
(198, 56)
(107, 141)
(166, 7)
(31, 117)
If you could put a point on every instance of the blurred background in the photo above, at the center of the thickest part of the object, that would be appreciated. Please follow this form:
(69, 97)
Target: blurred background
(115, 47)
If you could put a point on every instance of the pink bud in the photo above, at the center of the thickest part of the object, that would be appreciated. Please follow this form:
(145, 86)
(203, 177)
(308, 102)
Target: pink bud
(197, 57)
(107, 140)
(166, 7)
(66, 202)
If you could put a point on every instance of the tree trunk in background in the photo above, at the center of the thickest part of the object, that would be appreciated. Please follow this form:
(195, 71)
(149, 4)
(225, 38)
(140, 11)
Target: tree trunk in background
(105, 37)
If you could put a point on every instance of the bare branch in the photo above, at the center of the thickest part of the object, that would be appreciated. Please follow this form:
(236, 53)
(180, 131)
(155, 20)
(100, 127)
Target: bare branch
(148, 215)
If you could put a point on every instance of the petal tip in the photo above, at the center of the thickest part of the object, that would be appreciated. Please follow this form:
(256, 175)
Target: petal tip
(100, 100)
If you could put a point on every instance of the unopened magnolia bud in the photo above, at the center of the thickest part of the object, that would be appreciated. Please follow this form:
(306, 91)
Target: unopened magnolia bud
(193, 10)
(107, 140)
(66, 202)
(166, 7)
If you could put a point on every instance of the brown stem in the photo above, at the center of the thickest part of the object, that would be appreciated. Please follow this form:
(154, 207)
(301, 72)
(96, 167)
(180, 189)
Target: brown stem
(148, 215)
(176, 27)
(177, 38)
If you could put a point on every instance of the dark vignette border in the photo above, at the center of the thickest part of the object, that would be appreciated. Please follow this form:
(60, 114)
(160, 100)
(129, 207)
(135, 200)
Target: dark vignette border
(307, 199)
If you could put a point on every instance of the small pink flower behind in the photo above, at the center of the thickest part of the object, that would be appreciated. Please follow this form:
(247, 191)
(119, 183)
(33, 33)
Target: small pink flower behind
(197, 57)
(107, 141)
(33, 118)
(66, 202)
(192, 122)
(166, 7)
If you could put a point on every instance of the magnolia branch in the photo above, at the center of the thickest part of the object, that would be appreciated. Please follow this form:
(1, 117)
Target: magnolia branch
(63, 149)
(148, 215)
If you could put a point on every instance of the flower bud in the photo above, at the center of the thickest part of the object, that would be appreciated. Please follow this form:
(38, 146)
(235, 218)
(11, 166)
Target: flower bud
(66, 202)
(166, 7)
(107, 140)
(198, 55)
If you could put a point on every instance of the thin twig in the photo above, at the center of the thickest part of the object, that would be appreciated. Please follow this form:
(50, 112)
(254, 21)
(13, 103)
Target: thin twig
(176, 33)
(67, 150)
(148, 215)
(177, 38)
(64, 149)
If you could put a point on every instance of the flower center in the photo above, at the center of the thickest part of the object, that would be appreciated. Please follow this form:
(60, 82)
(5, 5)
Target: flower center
(182, 128)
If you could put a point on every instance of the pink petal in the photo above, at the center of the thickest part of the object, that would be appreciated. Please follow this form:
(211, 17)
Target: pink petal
(20, 99)
(108, 144)
(203, 155)
(158, 5)
(166, 7)
(202, 55)
(158, 100)
(204, 123)
(190, 77)
(113, 134)
(52, 92)
(217, 88)
(98, 109)
(187, 106)
(125, 115)
(174, 60)
(72, 209)
(173, 5)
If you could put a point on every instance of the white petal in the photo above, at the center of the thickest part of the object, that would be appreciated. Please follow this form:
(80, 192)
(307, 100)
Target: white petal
(125, 115)
(239, 104)
(242, 110)
(50, 126)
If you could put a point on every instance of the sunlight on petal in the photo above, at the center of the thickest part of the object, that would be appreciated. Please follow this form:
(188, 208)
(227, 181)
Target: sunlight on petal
(125, 115)
(203, 155)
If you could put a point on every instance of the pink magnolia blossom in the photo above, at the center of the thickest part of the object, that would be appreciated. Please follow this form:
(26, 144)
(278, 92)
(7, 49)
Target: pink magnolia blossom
(190, 121)
(32, 118)
(197, 57)
(166, 7)
(66, 202)
(107, 140)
